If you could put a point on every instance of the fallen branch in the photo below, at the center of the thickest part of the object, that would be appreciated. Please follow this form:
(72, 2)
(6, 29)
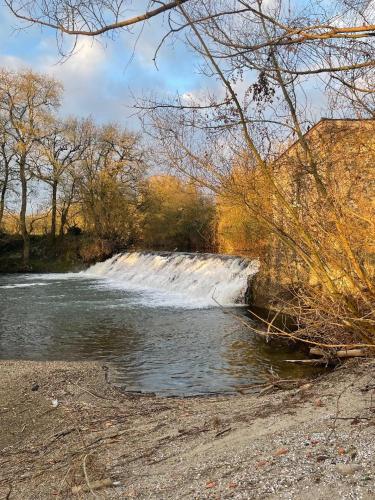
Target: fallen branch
(309, 361)
(352, 418)
(87, 477)
(224, 431)
(95, 485)
(64, 433)
(345, 353)
(267, 389)
(187, 432)
(93, 393)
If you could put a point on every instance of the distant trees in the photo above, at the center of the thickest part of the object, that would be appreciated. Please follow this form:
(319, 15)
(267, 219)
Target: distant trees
(109, 179)
(239, 230)
(58, 152)
(96, 170)
(87, 177)
(177, 215)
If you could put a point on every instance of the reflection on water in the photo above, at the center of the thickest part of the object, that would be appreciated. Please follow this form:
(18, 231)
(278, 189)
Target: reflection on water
(164, 350)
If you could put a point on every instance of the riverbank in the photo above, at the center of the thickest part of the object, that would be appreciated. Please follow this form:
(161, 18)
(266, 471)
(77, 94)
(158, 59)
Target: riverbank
(73, 252)
(63, 425)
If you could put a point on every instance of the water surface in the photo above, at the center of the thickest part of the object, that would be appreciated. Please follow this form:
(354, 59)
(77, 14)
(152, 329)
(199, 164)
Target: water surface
(170, 350)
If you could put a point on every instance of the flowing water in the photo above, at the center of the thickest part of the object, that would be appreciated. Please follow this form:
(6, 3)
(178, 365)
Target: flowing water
(155, 318)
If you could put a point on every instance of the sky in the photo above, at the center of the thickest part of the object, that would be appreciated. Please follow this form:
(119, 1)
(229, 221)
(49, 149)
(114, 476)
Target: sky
(102, 78)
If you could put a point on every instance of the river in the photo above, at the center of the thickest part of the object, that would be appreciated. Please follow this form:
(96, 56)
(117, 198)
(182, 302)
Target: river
(154, 318)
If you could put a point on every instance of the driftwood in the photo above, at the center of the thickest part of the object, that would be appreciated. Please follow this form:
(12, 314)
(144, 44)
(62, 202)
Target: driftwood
(328, 357)
(95, 485)
(309, 361)
(344, 353)
(224, 431)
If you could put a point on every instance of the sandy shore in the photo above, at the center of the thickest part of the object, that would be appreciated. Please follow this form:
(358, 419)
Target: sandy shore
(315, 442)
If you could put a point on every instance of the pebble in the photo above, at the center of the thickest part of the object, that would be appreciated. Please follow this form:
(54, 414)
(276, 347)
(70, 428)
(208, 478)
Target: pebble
(305, 387)
(280, 451)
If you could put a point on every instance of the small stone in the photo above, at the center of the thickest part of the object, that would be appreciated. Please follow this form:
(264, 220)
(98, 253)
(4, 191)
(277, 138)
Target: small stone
(35, 387)
(305, 387)
(348, 469)
(321, 458)
(280, 451)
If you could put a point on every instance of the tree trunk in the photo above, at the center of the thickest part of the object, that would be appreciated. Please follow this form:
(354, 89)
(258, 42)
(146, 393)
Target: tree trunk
(65, 211)
(54, 210)
(4, 186)
(63, 219)
(2, 195)
(23, 227)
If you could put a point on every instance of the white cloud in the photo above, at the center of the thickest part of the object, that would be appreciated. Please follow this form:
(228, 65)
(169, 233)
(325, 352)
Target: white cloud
(12, 63)
(98, 79)
(86, 62)
(89, 55)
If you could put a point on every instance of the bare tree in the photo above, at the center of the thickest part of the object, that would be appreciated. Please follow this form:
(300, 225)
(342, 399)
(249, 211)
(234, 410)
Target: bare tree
(200, 137)
(92, 18)
(107, 179)
(60, 148)
(26, 101)
(95, 18)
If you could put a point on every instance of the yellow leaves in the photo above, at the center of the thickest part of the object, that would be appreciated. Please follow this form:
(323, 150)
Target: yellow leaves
(177, 215)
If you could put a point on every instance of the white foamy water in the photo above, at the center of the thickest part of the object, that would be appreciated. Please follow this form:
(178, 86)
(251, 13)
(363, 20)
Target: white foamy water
(178, 279)
(23, 285)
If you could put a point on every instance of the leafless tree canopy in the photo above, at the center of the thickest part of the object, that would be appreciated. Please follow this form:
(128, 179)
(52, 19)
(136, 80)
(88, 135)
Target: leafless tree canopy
(342, 19)
(92, 18)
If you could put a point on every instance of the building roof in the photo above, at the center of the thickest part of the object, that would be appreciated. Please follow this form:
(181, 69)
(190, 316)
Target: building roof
(325, 120)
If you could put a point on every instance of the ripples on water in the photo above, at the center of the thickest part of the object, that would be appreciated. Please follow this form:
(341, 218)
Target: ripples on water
(167, 350)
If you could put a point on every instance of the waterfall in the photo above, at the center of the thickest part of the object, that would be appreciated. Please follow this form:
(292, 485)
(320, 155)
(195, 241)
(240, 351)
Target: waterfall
(179, 279)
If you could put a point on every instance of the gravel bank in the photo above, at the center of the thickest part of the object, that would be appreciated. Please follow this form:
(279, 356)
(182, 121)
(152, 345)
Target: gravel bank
(62, 425)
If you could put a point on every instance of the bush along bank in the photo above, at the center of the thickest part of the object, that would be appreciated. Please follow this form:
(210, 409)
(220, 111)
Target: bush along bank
(71, 253)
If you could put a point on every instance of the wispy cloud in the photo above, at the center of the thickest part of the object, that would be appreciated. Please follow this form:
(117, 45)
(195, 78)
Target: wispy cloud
(101, 79)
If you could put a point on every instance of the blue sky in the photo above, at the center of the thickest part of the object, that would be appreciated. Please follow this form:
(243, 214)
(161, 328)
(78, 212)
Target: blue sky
(99, 80)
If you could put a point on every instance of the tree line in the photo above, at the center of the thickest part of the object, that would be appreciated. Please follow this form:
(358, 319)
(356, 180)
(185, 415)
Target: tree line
(59, 175)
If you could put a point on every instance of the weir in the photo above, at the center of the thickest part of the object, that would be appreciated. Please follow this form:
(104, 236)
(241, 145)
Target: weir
(199, 280)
